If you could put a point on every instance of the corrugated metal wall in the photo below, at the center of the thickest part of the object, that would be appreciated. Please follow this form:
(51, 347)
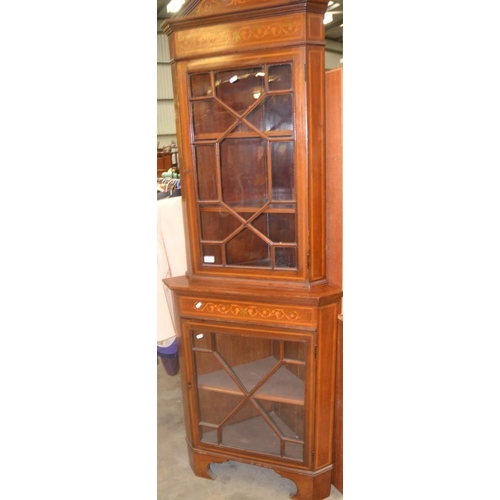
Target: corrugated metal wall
(165, 128)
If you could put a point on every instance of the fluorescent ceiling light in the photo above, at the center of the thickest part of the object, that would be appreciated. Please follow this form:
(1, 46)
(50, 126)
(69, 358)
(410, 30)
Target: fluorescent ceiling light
(328, 18)
(175, 5)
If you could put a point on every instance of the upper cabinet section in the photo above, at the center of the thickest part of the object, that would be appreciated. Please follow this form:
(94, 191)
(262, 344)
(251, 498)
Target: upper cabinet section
(249, 92)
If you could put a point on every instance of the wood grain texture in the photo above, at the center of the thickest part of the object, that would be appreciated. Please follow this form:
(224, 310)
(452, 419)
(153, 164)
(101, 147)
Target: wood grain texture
(334, 242)
(334, 177)
(258, 339)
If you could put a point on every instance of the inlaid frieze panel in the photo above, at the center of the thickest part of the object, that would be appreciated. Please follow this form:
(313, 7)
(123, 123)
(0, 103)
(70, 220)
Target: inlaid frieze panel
(247, 311)
(215, 6)
(244, 34)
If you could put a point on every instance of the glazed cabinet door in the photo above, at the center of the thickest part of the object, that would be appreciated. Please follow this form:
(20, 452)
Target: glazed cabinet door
(244, 175)
(251, 389)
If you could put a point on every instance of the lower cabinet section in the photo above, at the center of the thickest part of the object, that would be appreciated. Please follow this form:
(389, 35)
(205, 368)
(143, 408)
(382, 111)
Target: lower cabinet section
(259, 392)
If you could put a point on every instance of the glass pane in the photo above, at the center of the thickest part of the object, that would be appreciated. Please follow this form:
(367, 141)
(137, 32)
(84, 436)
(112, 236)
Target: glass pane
(275, 113)
(283, 171)
(289, 419)
(244, 171)
(279, 228)
(212, 254)
(285, 258)
(299, 370)
(209, 117)
(294, 450)
(201, 340)
(239, 89)
(283, 384)
(209, 434)
(282, 228)
(295, 350)
(217, 225)
(280, 77)
(206, 172)
(214, 407)
(248, 396)
(247, 249)
(200, 85)
(248, 430)
(244, 350)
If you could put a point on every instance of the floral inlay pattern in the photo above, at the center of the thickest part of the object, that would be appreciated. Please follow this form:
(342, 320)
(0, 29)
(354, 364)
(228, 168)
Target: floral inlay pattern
(215, 5)
(241, 35)
(247, 311)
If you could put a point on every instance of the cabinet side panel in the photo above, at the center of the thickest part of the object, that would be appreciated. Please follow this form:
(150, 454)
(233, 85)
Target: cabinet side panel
(181, 115)
(334, 181)
(338, 426)
(325, 384)
(316, 160)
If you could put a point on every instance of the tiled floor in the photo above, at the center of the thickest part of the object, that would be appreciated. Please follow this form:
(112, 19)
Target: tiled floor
(233, 481)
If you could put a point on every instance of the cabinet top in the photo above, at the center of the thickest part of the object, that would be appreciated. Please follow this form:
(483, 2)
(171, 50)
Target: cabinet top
(220, 288)
(194, 12)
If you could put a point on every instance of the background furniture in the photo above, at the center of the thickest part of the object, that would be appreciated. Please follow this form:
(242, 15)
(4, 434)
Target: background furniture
(163, 161)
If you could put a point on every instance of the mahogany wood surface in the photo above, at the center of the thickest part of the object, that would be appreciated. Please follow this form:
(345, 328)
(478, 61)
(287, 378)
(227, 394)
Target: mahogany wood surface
(334, 242)
(256, 319)
(310, 486)
(338, 438)
(227, 314)
(334, 179)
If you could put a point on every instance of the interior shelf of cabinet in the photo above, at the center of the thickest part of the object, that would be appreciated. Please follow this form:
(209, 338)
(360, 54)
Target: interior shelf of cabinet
(254, 434)
(283, 386)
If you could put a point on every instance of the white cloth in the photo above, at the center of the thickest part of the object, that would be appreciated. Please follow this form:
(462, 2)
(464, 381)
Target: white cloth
(171, 257)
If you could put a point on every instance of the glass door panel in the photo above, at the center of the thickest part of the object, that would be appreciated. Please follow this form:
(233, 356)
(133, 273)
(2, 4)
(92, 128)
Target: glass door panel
(244, 164)
(251, 392)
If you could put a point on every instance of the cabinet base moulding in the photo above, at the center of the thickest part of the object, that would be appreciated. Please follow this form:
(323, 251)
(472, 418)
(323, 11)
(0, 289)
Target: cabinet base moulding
(310, 485)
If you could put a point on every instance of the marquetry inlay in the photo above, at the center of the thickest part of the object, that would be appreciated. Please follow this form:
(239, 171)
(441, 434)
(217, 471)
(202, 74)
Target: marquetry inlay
(213, 6)
(252, 311)
(241, 34)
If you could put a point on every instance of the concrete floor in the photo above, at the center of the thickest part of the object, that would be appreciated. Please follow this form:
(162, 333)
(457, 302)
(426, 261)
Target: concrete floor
(234, 481)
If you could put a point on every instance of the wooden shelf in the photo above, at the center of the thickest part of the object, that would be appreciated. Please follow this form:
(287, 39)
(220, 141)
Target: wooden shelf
(256, 435)
(283, 386)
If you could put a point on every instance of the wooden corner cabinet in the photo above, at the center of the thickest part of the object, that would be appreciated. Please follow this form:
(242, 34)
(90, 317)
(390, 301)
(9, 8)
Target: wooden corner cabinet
(255, 318)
